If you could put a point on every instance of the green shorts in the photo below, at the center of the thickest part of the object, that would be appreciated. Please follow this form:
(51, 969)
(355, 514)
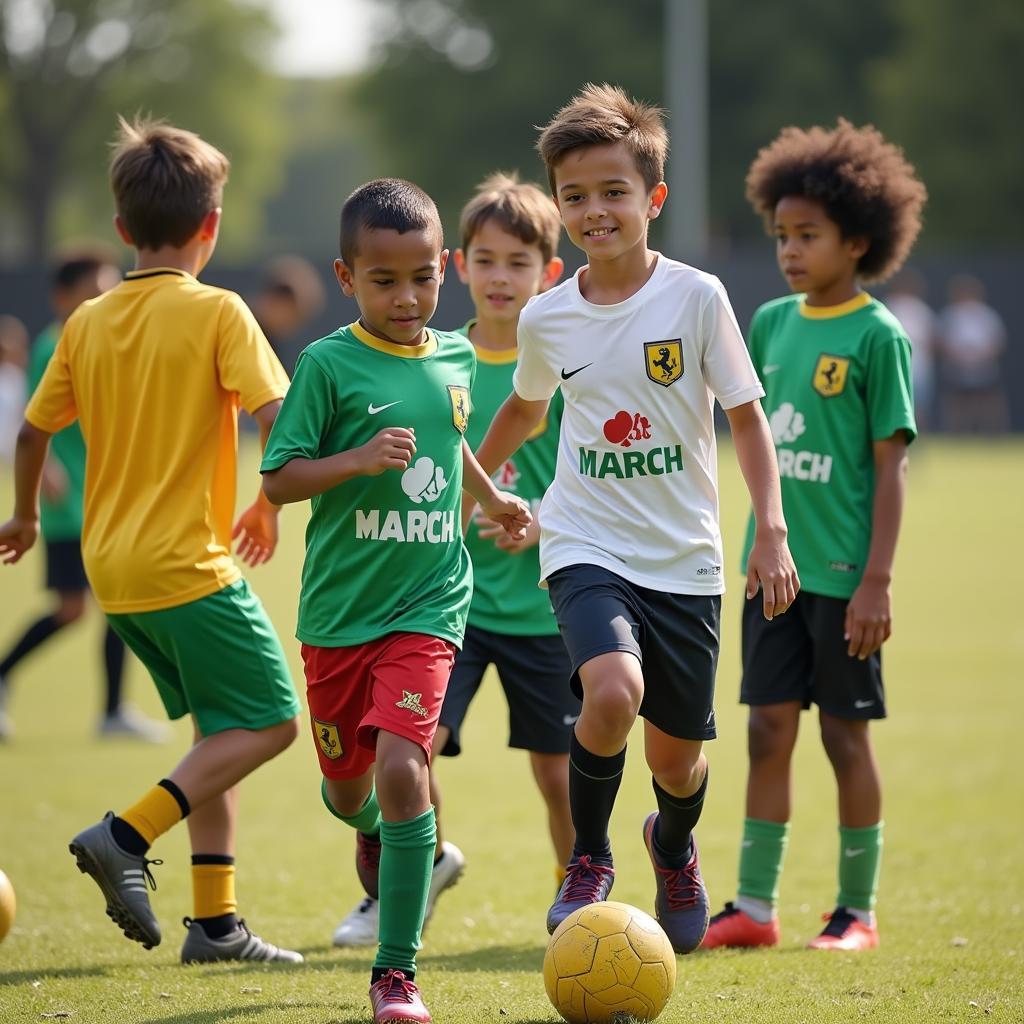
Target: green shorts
(217, 659)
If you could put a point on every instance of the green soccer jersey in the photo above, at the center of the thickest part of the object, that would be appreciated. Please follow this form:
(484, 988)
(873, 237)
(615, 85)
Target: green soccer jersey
(507, 597)
(836, 380)
(60, 519)
(384, 554)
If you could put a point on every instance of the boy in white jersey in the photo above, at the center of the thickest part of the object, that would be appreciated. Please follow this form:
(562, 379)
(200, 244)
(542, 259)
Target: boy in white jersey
(845, 207)
(630, 547)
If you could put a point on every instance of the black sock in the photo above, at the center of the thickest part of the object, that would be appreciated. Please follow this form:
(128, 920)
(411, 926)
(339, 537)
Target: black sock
(39, 632)
(677, 818)
(127, 838)
(218, 927)
(113, 659)
(593, 784)
(377, 973)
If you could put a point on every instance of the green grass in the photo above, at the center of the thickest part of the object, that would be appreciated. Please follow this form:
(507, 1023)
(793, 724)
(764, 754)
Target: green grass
(953, 874)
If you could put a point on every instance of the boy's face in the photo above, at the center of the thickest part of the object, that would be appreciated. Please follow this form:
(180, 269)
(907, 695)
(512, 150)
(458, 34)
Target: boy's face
(605, 204)
(503, 272)
(811, 251)
(395, 280)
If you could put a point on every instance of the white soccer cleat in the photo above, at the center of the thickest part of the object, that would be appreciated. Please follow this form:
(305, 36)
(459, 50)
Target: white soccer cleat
(360, 927)
(445, 873)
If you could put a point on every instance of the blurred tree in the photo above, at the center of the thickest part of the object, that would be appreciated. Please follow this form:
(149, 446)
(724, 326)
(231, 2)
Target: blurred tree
(68, 66)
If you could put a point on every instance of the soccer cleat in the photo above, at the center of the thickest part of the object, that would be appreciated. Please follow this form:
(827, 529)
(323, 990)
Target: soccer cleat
(129, 723)
(241, 944)
(735, 929)
(360, 927)
(447, 870)
(368, 863)
(397, 1001)
(845, 933)
(680, 900)
(122, 877)
(585, 883)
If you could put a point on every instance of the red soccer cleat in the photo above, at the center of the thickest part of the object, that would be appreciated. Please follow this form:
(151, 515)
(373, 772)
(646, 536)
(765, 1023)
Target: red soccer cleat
(397, 1001)
(368, 863)
(845, 933)
(732, 928)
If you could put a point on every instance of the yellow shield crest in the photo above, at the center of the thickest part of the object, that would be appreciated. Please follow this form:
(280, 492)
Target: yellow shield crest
(664, 361)
(459, 397)
(830, 375)
(328, 738)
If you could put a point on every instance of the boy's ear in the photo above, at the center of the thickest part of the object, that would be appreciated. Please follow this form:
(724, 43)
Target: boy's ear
(553, 270)
(857, 247)
(442, 263)
(461, 267)
(344, 275)
(210, 225)
(122, 231)
(658, 196)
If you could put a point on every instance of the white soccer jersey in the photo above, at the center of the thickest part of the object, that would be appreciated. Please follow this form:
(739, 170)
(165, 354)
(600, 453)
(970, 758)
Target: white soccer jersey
(636, 484)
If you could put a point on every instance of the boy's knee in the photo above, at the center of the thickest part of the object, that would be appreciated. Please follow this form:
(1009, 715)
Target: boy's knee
(845, 742)
(677, 770)
(614, 702)
(552, 774)
(769, 736)
(281, 736)
(71, 607)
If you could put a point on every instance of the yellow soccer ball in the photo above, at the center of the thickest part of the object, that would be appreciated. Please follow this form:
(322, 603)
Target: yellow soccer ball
(609, 960)
(7, 905)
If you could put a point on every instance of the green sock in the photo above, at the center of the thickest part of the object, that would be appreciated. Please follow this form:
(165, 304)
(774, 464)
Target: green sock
(406, 860)
(764, 847)
(366, 820)
(860, 860)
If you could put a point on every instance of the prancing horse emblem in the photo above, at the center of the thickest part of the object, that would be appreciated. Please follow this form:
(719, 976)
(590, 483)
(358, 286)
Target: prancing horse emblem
(664, 361)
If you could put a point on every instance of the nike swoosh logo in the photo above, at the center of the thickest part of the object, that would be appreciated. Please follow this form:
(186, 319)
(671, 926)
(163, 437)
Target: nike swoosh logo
(863, 703)
(570, 719)
(854, 853)
(374, 409)
(566, 374)
(748, 843)
(771, 368)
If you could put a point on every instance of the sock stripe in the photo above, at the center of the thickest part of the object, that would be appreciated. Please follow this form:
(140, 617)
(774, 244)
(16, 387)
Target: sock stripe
(212, 858)
(178, 795)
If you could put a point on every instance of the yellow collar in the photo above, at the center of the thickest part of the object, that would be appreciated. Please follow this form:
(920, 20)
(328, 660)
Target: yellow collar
(830, 312)
(392, 348)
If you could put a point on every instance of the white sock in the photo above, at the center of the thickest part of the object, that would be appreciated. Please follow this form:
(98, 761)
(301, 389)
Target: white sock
(864, 916)
(762, 911)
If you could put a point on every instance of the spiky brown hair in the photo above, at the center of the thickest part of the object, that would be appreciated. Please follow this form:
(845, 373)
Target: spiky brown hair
(866, 185)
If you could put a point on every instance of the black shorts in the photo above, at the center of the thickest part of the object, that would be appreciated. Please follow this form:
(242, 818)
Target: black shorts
(65, 571)
(534, 673)
(674, 636)
(802, 656)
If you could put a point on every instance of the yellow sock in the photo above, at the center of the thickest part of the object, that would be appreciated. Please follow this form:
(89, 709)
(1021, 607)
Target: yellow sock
(154, 814)
(213, 890)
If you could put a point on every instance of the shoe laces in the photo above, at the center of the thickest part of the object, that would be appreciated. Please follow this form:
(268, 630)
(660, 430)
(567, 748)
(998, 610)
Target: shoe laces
(395, 988)
(730, 910)
(839, 922)
(682, 887)
(583, 880)
(366, 906)
(147, 874)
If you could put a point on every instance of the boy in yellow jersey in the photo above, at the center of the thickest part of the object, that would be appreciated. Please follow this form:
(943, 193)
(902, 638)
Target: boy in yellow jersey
(155, 371)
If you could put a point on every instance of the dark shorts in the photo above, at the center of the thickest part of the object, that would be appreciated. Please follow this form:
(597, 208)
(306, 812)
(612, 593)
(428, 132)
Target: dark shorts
(534, 673)
(802, 656)
(65, 571)
(674, 636)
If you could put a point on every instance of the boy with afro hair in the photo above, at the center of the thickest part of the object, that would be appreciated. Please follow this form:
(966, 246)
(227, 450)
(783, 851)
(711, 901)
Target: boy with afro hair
(845, 208)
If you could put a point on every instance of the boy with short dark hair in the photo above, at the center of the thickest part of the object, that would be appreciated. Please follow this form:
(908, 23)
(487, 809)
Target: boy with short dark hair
(372, 431)
(154, 371)
(81, 273)
(844, 207)
(630, 544)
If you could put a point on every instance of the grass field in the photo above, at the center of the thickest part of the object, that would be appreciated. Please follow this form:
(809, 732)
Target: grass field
(952, 900)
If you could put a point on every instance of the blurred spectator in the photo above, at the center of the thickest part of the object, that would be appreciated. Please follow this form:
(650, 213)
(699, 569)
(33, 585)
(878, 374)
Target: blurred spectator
(290, 295)
(972, 337)
(13, 365)
(905, 300)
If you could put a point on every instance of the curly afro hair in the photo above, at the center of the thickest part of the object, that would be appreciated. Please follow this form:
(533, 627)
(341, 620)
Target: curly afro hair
(865, 184)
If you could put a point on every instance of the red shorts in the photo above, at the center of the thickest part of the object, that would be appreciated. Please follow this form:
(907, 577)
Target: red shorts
(396, 683)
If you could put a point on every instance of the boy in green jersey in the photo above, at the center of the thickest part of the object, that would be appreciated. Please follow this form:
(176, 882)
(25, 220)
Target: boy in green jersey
(373, 431)
(78, 275)
(844, 206)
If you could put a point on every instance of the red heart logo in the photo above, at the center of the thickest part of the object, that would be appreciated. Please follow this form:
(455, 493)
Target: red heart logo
(617, 429)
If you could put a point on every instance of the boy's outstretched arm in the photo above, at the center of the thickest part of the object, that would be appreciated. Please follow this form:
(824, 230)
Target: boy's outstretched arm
(20, 532)
(869, 613)
(256, 529)
(508, 510)
(770, 564)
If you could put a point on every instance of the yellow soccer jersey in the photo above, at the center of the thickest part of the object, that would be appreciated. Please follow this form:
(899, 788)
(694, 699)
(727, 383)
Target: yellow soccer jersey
(155, 371)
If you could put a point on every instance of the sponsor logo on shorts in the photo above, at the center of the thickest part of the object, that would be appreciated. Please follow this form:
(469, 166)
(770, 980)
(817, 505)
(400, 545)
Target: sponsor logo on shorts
(411, 702)
(664, 361)
(570, 719)
(860, 705)
(328, 739)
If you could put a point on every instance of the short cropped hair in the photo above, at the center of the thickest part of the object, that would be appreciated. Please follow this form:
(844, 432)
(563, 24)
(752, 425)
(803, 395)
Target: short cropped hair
(866, 185)
(518, 207)
(386, 203)
(165, 181)
(603, 114)
(72, 264)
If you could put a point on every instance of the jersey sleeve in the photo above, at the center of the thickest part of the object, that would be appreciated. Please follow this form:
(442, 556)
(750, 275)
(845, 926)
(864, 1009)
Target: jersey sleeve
(727, 367)
(308, 410)
(890, 395)
(534, 380)
(755, 338)
(246, 364)
(52, 406)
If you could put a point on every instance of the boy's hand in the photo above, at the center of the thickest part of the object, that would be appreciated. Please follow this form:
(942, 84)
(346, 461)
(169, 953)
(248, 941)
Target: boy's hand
(868, 618)
(488, 529)
(390, 448)
(16, 537)
(257, 528)
(771, 565)
(509, 512)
